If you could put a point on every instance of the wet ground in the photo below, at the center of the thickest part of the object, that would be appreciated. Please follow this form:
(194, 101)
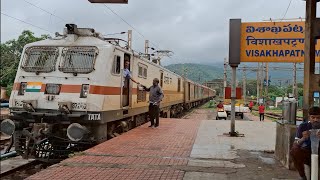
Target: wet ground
(248, 157)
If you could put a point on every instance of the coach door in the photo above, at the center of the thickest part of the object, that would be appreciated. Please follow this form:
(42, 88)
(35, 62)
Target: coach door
(126, 89)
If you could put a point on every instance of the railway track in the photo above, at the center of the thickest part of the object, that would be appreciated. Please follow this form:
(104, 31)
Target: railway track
(276, 116)
(21, 171)
(4, 143)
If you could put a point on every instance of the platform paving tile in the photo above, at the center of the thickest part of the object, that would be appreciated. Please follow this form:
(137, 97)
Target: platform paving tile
(170, 139)
(138, 154)
(127, 160)
(78, 173)
(204, 176)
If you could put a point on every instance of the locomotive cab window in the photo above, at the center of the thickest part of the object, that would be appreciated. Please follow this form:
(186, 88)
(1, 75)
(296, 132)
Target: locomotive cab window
(40, 59)
(78, 59)
(116, 65)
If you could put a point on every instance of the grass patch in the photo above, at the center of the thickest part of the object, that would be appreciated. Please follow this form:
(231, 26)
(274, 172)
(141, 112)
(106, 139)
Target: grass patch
(255, 113)
(208, 105)
(275, 111)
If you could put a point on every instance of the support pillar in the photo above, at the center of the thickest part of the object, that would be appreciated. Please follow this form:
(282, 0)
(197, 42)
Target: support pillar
(309, 58)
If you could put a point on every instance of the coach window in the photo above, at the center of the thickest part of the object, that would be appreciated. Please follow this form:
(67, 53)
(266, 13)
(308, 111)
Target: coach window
(116, 65)
(145, 72)
(161, 78)
(142, 71)
(179, 84)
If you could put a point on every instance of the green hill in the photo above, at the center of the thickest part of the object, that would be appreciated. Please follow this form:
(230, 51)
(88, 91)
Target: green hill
(197, 72)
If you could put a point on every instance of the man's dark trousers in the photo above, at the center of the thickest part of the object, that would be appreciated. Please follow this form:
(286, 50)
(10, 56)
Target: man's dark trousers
(154, 114)
(262, 116)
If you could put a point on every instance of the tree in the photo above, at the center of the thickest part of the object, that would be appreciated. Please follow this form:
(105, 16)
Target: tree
(300, 89)
(251, 87)
(10, 56)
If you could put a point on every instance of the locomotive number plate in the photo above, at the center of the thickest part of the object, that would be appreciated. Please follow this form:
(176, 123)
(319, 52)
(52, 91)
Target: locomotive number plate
(79, 106)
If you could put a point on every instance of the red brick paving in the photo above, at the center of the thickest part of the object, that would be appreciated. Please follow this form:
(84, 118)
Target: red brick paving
(63, 172)
(131, 155)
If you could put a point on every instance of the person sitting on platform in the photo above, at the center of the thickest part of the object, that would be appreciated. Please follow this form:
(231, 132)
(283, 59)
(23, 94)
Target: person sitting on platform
(301, 149)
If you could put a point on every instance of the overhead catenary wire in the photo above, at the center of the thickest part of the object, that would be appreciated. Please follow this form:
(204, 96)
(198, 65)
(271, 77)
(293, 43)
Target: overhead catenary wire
(45, 10)
(286, 11)
(25, 22)
(130, 25)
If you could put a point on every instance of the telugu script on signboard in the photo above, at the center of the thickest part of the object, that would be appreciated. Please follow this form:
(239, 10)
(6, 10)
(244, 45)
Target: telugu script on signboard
(273, 42)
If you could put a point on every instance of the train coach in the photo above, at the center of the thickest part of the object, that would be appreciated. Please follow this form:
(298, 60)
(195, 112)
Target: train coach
(69, 94)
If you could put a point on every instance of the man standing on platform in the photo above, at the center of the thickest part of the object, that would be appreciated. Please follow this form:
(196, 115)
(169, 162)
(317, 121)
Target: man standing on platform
(155, 97)
(261, 112)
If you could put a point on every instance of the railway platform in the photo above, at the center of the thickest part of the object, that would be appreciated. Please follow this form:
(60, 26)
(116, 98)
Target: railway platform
(186, 149)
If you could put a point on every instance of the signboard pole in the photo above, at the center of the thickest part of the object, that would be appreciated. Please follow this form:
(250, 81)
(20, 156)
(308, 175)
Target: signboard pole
(234, 61)
(309, 58)
(233, 100)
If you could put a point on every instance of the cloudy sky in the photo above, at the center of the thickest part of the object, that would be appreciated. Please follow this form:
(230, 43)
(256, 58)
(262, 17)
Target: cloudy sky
(196, 31)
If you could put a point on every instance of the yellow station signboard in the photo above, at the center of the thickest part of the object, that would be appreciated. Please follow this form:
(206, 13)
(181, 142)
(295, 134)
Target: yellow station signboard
(274, 42)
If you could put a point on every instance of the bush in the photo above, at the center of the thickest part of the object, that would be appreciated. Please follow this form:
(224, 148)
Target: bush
(9, 89)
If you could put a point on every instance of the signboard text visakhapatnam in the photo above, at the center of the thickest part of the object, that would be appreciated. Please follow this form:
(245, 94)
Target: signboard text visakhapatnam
(274, 42)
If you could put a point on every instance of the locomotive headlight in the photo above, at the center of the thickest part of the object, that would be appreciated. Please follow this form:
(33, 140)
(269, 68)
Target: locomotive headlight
(53, 89)
(75, 131)
(84, 91)
(22, 89)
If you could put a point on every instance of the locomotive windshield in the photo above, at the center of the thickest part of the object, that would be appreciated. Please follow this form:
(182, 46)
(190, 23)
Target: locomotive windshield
(78, 59)
(40, 59)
